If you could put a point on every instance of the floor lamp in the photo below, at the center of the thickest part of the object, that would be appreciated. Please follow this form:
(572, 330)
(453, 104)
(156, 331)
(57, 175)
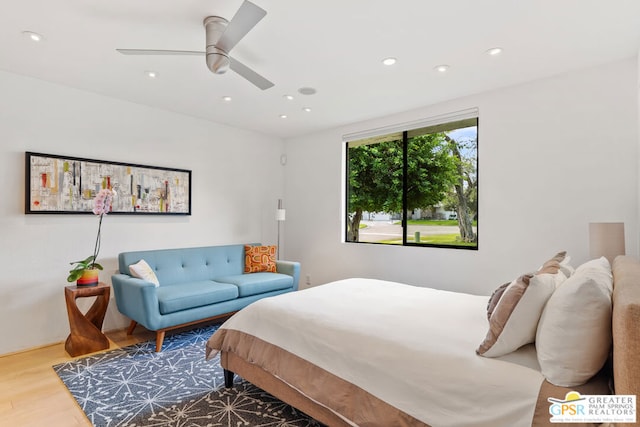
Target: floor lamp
(280, 217)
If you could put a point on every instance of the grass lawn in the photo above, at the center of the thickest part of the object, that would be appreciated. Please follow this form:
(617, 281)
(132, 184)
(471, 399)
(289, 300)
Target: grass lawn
(445, 222)
(438, 239)
(450, 222)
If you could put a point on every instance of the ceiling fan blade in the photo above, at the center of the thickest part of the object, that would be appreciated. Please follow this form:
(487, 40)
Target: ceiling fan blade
(242, 22)
(158, 52)
(250, 75)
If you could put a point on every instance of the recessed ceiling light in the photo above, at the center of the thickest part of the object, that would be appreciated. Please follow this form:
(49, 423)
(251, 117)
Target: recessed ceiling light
(307, 109)
(151, 74)
(494, 51)
(288, 97)
(283, 116)
(442, 68)
(307, 90)
(389, 61)
(33, 36)
(226, 98)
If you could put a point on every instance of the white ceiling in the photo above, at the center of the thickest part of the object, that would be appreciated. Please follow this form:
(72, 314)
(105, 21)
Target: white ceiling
(335, 46)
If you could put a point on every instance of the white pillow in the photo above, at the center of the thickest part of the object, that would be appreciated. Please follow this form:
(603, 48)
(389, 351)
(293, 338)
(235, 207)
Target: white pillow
(566, 268)
(600, 270)
(574, 333)
(141, 270)
(514, 320)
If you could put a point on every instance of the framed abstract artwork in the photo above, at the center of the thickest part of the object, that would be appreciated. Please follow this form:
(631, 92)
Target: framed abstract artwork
(63, 184)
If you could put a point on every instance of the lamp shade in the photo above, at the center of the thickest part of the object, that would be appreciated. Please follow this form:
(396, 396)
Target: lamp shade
(606, 239)
(280, 213)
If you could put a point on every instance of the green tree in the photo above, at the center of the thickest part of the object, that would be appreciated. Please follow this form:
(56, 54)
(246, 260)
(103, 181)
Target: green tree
(465, 187)
(375, 176)
(375, 181)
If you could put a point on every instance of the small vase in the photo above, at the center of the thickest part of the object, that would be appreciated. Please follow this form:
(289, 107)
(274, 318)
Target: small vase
(89, 278)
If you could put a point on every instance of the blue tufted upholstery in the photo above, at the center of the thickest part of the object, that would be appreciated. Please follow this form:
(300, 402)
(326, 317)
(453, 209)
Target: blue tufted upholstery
(180, 265)
(194, 294)
(195, 284)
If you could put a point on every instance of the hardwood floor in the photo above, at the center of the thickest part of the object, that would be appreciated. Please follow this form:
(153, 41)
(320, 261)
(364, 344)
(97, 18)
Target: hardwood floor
(31, 394)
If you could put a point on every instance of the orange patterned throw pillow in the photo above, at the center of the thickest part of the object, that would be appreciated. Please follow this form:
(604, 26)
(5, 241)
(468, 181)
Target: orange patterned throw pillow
(259, 258)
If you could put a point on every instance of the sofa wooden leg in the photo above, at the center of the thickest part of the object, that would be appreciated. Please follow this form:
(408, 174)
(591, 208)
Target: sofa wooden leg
(228, 378)
(132, 326)
(159, 340)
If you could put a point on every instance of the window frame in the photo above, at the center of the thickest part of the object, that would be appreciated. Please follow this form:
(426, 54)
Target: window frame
(407, 129)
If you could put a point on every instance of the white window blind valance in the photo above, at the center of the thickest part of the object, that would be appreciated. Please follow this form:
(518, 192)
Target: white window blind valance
(391, 132)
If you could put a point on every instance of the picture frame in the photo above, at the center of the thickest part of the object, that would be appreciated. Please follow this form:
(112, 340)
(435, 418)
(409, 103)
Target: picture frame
(56, 184)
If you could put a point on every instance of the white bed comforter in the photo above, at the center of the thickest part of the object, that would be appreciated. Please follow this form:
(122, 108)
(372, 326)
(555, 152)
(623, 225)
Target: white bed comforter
(410, 346)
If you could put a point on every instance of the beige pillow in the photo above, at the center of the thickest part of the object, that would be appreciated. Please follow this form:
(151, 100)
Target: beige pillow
(515, 318)
(553, 265)
(141, 270)
(515, 310)
(562, 261)
(574, 333)
(494, 298)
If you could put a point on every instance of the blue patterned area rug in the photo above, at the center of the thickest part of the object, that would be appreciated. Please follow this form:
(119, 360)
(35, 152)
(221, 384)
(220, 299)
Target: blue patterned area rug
(135, 386)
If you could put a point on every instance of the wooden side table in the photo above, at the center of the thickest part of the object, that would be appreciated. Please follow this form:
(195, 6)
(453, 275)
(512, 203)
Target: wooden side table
(86, 329)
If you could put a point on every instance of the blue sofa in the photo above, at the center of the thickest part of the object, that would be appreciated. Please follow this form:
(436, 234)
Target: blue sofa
(196, 284)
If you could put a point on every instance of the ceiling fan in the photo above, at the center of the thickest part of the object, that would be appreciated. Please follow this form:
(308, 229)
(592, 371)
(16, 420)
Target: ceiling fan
(222, 36)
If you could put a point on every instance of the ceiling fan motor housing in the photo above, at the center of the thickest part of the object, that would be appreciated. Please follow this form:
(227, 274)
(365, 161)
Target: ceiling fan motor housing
(217, 59)
(221, 36)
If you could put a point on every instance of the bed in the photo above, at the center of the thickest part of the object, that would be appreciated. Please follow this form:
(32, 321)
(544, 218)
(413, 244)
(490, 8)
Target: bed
(374, 353)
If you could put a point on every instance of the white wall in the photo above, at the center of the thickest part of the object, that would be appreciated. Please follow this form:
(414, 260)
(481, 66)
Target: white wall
(554, 155)
(237, 179)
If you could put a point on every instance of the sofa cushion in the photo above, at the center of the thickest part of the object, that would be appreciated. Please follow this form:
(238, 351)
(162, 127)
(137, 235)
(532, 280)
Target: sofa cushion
(184, 296)
(258, 283)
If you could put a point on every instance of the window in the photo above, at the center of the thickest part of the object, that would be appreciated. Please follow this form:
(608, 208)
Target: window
(415, 186)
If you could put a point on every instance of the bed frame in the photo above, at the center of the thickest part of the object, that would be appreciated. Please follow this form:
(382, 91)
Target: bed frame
(625, 377)
(626, 325)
